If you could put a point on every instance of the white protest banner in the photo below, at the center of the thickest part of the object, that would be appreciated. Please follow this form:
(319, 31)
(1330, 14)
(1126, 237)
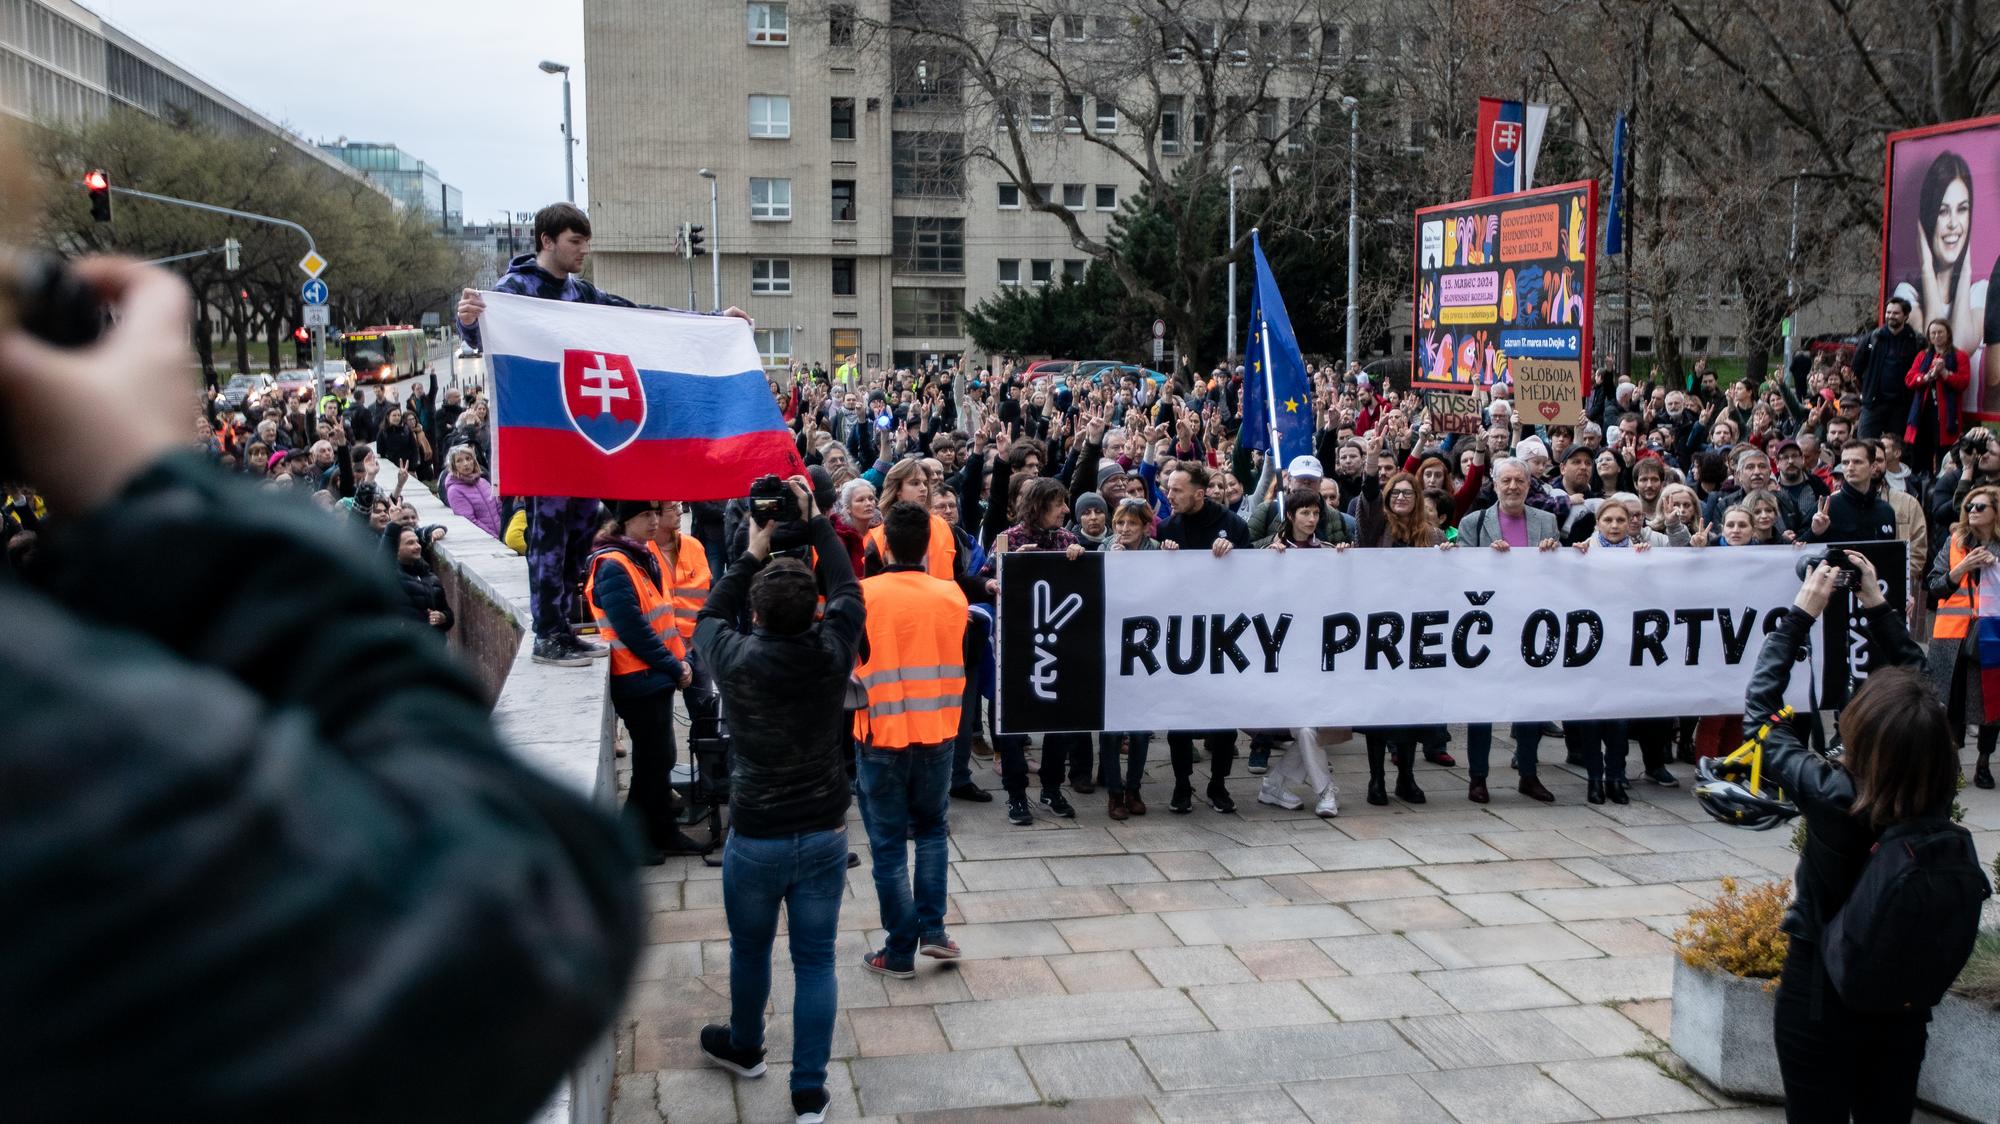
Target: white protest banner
(1183, 640)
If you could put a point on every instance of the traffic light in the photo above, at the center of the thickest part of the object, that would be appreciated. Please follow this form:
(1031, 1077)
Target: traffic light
(232, 254)
(99, 186)
(302, 345)
(695, 248)
(301, 335)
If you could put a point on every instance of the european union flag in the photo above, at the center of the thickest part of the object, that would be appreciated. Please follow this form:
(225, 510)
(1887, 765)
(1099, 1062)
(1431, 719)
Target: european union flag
(1277, 392)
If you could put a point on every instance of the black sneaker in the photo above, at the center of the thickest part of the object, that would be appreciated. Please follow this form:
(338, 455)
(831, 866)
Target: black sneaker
(972, 792)
(1218, 799)
(589, 649)
(1260, 762)
(716, 1047)
(809, 1106)
(1663, 778)
(554, 650)
(1018, 812)
(1182, 801)
(1052, 799)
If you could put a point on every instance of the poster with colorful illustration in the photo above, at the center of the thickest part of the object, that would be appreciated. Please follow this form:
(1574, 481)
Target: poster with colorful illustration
(1508, 276)
(1941, 239)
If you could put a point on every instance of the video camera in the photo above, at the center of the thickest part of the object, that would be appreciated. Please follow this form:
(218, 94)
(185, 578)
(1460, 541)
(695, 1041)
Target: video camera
(772, 500)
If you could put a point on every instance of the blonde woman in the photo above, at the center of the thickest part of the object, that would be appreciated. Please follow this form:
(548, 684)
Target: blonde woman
(1962, 577)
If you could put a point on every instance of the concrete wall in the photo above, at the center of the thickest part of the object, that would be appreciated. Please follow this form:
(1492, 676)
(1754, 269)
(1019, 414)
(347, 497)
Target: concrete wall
(559, 718)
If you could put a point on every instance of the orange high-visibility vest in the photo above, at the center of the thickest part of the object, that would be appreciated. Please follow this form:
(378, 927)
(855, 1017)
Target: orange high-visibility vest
(658, 610)
(940, 560)
(915, 670)
(1955, 613)
(687, 581)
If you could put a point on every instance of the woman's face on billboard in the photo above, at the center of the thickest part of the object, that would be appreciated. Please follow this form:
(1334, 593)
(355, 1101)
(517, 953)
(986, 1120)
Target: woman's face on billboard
(1954, 220)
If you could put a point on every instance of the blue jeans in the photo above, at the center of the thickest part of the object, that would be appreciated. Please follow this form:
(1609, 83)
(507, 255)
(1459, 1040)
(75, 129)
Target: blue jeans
(807, 873)
(1479, 745)
(1135, 760)
(904, 793)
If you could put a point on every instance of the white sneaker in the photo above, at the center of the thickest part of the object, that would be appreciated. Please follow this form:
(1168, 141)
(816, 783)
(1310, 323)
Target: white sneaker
(1277, 796)
(1329, 805)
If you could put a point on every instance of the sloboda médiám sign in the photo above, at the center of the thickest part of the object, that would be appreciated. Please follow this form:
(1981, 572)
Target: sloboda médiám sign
(1183, 640)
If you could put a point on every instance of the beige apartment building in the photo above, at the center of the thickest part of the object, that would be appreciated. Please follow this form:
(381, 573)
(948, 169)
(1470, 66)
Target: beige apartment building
(849, 223)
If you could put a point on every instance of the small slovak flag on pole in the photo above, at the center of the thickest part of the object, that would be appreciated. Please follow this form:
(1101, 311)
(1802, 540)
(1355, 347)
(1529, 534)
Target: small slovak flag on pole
(628, 404)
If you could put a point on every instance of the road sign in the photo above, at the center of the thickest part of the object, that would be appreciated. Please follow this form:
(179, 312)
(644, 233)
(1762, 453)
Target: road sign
(313, 292)
(313, 264)
(1159, 349)
(316, 316)
(1159, 332)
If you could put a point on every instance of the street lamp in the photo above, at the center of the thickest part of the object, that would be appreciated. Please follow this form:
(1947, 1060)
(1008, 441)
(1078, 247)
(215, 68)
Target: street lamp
(714, 238)
(1353, 108)
(569, 135)
(509, 216)
(1234, 172)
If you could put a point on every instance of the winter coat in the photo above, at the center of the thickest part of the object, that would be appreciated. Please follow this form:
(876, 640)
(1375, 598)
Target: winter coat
(475, 501)
(1943, 395)
(425, 595)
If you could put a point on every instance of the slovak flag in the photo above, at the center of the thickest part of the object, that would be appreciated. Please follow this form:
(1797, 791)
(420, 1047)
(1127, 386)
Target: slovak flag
(1505, 146)
(628, 404)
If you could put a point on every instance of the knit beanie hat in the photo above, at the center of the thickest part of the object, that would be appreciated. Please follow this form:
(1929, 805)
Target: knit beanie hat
(1091, 501)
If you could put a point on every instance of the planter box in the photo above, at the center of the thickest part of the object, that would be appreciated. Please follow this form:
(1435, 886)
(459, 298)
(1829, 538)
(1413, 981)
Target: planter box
(1961, 1074)
(1722, 1029)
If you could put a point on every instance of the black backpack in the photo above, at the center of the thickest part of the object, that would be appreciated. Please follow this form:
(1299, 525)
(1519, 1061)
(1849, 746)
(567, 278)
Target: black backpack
(1908, 927)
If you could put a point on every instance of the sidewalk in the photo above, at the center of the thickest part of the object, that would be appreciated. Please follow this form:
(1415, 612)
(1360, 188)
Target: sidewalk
(1506, 964)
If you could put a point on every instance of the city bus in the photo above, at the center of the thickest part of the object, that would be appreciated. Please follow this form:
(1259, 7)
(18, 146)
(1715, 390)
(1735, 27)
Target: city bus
(386, 354)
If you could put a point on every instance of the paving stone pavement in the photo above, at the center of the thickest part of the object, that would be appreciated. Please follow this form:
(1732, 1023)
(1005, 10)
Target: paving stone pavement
(1448, 962)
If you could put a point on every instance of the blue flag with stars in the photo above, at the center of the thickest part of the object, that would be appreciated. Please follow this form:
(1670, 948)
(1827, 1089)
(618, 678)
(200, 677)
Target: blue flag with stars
(1274, 373)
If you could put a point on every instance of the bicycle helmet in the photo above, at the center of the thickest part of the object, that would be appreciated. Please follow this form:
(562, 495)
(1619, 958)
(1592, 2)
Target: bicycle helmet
(1723, 791)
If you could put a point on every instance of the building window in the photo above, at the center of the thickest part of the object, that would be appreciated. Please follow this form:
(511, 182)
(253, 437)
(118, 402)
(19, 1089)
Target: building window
(1170, 125)
(846, 344)
(771, 200)
(1040, 271)
(1727, 345)
(843, 201)
(774, 346)
(1302, 41)
(1642, 345)
(927, 165)
(1073, 28)
(1010, 272)
(1072, 113)
(923, 244)
(1007, 26)
(1198, 127)
(840, 20)
(1419, 133)
(1010, 197)
(1329, 42)
(769, 26)
(1104, 27)
(1039, 28)
(770, 116)
(1107, 196)
(926, 312)
(1107, 116)
(1698, 344)
(1038, 113)
(1073, 269)
(1297, 125)
(1358, 41)
(843, 277)
(771, 276)
(1238, 42)
(1073, 196)
(843, 119)
(1267, 119)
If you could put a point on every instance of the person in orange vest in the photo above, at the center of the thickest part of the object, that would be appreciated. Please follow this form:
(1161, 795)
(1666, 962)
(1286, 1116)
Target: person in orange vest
(684, 578)
(913, 668)
(907, 482)
(648, 662)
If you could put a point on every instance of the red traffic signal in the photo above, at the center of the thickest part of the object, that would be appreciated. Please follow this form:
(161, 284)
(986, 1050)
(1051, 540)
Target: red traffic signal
(301, 335)
(99, 187)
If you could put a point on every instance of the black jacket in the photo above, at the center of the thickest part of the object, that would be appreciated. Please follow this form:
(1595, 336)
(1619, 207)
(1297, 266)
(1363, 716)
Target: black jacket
(1198, 531)
(425, 594)
(1837, 843)
(1881, 360)
(1855, 518)
(782, 696)
(262, 856)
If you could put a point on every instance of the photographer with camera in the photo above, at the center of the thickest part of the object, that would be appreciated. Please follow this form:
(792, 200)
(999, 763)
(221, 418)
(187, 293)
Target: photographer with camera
(783, 680)
(335, 896)
(1867, 958)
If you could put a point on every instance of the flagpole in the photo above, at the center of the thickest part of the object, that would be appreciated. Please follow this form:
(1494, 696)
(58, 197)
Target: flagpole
(1270, 389)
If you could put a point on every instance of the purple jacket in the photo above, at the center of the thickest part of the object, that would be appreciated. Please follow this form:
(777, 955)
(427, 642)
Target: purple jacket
(474, 501)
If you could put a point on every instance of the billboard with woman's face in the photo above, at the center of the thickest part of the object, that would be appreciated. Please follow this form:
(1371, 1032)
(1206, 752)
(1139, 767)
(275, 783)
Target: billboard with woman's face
(1941, 240)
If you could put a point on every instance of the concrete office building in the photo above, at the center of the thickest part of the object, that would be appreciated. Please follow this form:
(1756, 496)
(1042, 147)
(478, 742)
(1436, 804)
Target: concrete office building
(60, 61)
(849, 222)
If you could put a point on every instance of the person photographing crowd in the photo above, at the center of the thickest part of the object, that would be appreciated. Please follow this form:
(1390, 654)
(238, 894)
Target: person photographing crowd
(788, 795)
(336, 896)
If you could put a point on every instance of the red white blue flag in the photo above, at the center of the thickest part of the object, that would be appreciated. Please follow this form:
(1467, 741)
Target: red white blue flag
(628, 404)
(1505, 146)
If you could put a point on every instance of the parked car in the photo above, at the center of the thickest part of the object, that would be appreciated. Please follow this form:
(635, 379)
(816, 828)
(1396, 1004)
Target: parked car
(1047, 368)
(294, 379)
(240, 387)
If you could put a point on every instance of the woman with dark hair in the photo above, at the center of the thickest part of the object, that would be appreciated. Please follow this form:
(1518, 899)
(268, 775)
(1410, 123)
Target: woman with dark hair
(420, 584)
(1900, 764)
(1042, 510)
(1937, 379)
(1943, 288)
(1397, 516)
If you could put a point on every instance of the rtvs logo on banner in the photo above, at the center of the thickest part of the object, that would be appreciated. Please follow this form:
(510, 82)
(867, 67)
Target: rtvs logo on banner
(1049, 620)
(605, 400)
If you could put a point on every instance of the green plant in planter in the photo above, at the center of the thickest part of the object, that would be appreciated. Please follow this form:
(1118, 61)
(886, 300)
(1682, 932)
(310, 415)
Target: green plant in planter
(1738, 932)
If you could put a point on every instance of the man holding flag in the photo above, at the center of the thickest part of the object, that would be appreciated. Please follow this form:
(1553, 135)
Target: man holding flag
(560, 528)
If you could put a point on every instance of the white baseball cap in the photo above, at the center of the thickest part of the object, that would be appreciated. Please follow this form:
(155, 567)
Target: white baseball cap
(1306, 465)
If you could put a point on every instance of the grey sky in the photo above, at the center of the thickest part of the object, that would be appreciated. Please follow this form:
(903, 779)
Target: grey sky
(451, 81)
